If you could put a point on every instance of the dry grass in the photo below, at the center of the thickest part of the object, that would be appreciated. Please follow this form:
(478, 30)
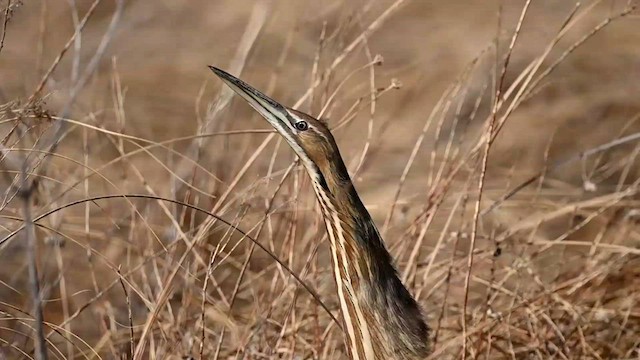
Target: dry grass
(169, 224)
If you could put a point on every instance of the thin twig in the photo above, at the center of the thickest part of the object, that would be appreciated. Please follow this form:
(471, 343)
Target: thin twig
(560, 164)
(55, 63)
(4, 24)
(483, 172)
(60, 126)
(25, 192)
(129, 313)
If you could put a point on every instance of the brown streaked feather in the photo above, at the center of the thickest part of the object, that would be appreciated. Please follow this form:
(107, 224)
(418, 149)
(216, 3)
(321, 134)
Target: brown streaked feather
(371, 290)
(377, 303)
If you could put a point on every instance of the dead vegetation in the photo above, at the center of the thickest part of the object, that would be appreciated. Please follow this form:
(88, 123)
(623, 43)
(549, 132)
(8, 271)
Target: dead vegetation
(150, 216)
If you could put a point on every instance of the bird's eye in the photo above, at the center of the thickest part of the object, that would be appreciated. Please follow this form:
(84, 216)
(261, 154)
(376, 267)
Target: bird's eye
(301, 125)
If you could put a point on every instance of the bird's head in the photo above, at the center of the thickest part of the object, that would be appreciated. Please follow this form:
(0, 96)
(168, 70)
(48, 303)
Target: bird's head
(308, 137)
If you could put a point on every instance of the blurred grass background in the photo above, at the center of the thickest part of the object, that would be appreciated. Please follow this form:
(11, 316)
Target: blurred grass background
(556, 266)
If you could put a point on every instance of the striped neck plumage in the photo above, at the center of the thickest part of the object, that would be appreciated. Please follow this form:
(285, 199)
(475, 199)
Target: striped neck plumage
(380, 317)
(363, 335)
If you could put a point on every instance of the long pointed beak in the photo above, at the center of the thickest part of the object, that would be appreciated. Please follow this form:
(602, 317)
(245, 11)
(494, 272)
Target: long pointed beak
(274, 112)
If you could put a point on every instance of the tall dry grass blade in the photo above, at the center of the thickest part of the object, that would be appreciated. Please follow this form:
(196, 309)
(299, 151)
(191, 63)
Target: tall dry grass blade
(5, 21)
(25, 192)
(483, 172)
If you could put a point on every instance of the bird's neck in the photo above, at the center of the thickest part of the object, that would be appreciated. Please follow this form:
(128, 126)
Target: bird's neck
(343, 210)
(336, 183)
(350, 255)
(380, 316)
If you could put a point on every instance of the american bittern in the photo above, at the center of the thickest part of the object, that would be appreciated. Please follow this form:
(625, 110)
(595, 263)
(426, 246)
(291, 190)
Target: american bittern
(380, 317)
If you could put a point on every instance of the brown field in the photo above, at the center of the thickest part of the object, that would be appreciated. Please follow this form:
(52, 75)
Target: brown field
(409, 88)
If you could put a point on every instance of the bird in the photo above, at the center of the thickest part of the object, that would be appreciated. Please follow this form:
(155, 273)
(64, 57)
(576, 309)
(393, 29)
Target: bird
(380, 317)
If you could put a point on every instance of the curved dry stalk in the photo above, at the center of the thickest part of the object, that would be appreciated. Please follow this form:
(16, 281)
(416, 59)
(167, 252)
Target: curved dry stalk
(483, 172)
